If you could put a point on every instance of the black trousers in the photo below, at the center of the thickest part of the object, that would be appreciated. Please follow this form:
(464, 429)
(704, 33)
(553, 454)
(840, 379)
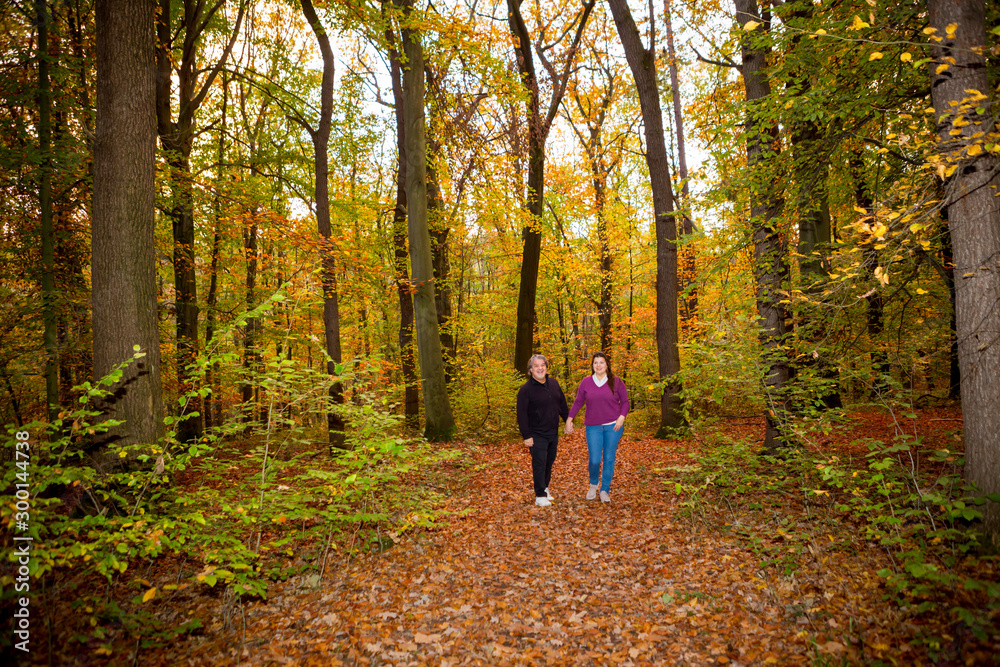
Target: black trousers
(543, 455)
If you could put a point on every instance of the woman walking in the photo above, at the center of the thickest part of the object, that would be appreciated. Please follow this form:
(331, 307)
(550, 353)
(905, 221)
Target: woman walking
(540, 404)
(607, 405)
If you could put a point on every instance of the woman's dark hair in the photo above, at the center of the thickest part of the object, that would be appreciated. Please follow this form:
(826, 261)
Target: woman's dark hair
(611, 376)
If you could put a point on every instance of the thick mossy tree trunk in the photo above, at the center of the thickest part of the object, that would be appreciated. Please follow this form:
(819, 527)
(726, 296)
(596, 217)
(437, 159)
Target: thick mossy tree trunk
(123, 263)
(642, 62)
(963, 106)
(439, 424)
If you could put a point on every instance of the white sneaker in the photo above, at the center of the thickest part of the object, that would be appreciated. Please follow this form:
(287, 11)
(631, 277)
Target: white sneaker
(605, 497)
(542, 502)
(592, 493)
(547, 494)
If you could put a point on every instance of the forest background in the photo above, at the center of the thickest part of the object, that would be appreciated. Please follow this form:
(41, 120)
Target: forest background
(362, 218)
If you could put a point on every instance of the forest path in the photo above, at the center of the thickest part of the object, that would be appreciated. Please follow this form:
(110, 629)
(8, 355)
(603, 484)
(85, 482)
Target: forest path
(509, 583)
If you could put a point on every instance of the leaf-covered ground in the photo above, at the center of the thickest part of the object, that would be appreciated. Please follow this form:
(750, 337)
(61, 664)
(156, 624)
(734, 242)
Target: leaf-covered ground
(641, 580)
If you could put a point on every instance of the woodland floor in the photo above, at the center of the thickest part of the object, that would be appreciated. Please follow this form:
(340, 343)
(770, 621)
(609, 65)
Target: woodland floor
(640, 580)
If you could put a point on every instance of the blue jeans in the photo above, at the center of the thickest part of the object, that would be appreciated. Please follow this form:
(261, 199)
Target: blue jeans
(602, 444)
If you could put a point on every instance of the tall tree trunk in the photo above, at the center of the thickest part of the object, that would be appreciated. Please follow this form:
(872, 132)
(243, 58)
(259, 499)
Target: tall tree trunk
(531, 237)
(177, 139)
(948, 262)
(688, 252)
(962, 101)
(770, 246)
(642, 62)
(439, 230)
(538, 130)
(411, 390)
(439, 425)
(212, 401)
(213, 405)
(123, 250)
(604, 306)
(321, 140)
(249, 389)
(44, 130)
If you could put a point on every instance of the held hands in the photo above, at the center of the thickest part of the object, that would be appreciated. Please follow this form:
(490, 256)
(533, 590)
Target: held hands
(569, 426)
(619, 423)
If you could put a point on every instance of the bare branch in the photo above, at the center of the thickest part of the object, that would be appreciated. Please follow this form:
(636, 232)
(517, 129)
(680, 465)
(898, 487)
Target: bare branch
(729, 62)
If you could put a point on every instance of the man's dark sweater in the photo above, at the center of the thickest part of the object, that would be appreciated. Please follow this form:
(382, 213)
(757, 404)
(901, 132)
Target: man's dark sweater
(539, 406)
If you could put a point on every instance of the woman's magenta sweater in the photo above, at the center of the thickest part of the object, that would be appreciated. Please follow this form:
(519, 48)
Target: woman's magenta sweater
(603, 407)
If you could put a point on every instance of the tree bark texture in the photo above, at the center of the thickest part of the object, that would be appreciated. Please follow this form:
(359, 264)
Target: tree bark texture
(439, 230)
(331, 307)
(642, 62)
(771, 272)
(411, 387)
(960, 89)
(439, 424)
(123, 249)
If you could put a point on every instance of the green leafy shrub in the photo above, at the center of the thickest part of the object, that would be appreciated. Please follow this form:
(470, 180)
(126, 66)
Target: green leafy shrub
(257, 499)
(485, 399)
(906, 498)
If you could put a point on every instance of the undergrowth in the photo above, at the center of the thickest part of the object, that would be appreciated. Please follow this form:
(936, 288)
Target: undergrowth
(258, 500)
(904, 499)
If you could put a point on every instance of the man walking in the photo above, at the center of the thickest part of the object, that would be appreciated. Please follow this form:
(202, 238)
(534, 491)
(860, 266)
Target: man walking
(540, 404)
